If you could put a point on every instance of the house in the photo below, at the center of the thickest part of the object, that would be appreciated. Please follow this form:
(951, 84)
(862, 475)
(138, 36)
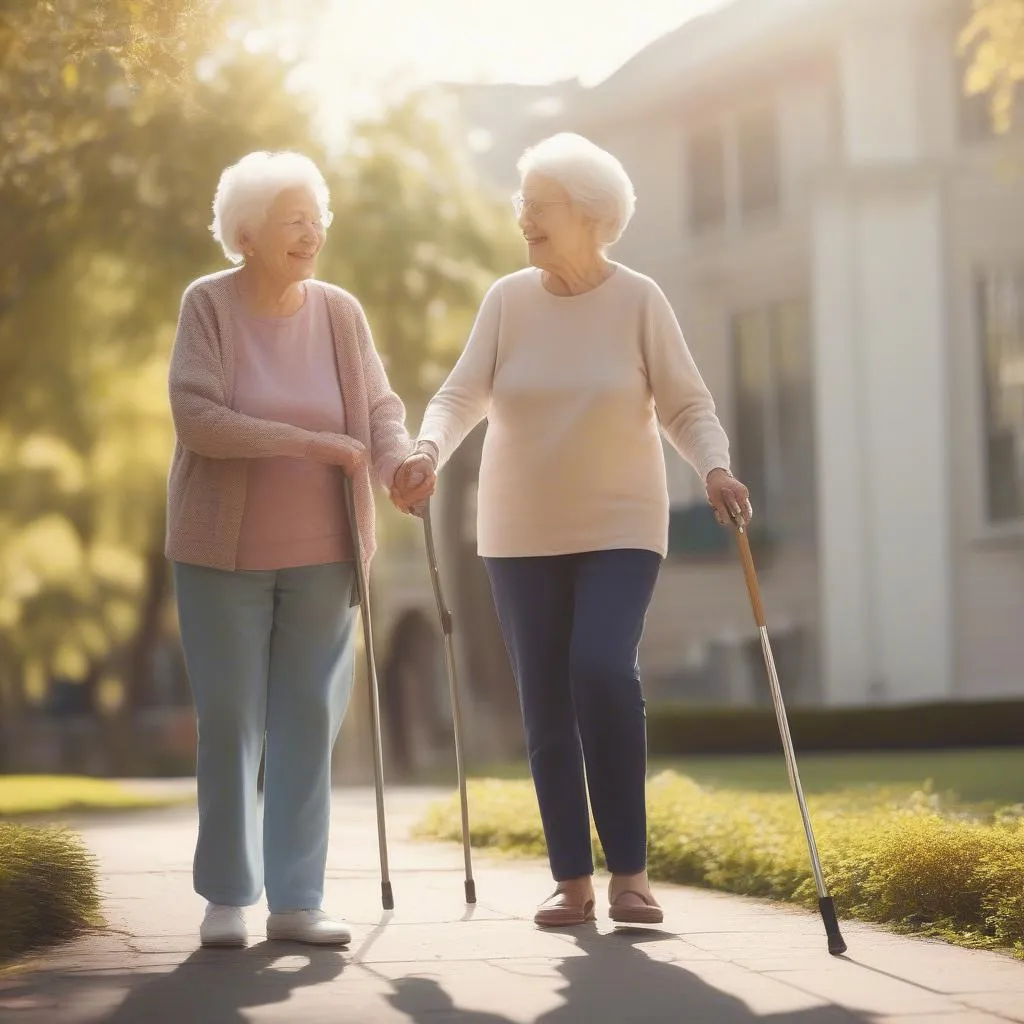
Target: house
(842, 238)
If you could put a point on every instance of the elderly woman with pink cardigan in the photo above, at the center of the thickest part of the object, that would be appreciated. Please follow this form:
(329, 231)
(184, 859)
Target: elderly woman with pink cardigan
(276, 392)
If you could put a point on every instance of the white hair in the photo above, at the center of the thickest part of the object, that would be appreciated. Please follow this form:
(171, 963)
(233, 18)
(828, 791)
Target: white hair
(246, 190)
(595, 180)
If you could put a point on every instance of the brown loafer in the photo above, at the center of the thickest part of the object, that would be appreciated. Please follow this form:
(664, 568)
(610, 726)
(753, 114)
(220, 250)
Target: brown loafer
(626, 911)
(559, 911)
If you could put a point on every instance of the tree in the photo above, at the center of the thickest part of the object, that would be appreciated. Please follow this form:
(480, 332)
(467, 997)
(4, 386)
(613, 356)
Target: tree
(995, 35)
(416, 240)
(85, 433)
(61, 63)
(109, 201)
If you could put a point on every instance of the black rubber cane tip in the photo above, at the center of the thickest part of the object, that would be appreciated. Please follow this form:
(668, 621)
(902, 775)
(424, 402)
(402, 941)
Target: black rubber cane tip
(836, 942)
(387, 897)
(470, 891)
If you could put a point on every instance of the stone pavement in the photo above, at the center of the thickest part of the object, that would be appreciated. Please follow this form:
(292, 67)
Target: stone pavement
(718, 959)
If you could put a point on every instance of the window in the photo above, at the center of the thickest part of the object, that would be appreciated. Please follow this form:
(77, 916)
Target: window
(734, 165)
(706, 171)
(1001, 315)
(757, 147)
(774, 436)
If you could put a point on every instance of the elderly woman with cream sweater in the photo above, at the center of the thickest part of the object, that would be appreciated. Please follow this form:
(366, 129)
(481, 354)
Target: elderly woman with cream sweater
(577, 361)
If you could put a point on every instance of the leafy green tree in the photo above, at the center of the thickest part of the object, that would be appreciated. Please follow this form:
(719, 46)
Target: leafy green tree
(110, 206)
(85, 432)
(994, 36)
(416, 239)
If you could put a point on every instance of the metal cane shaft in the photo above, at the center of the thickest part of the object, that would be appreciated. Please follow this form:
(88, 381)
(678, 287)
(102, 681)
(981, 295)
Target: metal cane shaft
(780, 709)
(453, 689)
(787, 746)
(371, 664)
(457, 723)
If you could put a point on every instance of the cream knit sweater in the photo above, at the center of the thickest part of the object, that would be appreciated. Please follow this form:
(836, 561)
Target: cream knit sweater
(574, 390)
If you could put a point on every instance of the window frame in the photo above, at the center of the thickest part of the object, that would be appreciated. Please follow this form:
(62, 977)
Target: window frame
(773, 310)
(981, 281)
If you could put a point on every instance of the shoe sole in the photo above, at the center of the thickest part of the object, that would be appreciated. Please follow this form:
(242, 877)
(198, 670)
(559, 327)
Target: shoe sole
(567, 922)
(636, 915)
(224, 943)
(307, 941)
(565, 917)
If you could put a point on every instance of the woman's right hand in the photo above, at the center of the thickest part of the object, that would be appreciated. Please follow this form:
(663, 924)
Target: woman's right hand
(352, 458)
(341, 450)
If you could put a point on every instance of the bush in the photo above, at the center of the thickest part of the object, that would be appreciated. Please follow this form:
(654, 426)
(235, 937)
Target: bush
(679, 729)
(48, 887)
(893, 858)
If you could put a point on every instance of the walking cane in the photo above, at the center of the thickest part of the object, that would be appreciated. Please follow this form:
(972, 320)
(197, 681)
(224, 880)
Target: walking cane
(363, 593)
(836, 943)
(445, 617)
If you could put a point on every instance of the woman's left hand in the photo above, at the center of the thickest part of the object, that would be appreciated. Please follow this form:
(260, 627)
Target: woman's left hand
(728, 497)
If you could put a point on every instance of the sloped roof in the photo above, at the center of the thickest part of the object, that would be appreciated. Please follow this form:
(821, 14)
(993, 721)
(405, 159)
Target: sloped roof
(700, 46)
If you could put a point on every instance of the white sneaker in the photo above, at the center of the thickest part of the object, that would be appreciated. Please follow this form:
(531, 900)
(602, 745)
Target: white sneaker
(223, 926)
(310, 926)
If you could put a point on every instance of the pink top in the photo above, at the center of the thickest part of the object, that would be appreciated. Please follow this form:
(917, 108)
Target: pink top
(214, 443)
(285, 370)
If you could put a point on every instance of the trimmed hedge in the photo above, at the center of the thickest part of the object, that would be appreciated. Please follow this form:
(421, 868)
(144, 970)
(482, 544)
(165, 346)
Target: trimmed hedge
(48, 887)
(894, 858)
(680, 729)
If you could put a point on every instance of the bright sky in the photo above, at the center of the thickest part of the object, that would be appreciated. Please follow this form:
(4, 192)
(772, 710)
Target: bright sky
(363, 50)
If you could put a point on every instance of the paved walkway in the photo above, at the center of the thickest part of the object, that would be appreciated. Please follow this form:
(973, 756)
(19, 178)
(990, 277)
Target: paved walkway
(719, 959)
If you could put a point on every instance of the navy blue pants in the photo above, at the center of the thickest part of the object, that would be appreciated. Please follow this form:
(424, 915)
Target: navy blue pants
(572, 625)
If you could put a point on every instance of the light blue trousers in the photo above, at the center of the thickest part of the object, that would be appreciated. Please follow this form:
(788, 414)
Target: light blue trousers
(270, 660)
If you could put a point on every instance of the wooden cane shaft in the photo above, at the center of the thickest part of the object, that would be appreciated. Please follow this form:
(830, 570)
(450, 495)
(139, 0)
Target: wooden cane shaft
(750, 574)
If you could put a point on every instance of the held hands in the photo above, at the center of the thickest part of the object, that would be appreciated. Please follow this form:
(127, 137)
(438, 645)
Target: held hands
(729, 498)
(414, 482)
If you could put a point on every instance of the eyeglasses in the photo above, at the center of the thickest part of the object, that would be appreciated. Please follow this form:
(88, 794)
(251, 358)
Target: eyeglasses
(535, 208)
(300, 222)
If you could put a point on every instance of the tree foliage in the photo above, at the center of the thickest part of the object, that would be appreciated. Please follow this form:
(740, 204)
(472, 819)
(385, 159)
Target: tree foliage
(106, 188)
(994, 36)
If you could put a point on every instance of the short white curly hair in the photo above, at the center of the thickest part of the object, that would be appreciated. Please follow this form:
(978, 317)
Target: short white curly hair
(247, 188)
(596, 181)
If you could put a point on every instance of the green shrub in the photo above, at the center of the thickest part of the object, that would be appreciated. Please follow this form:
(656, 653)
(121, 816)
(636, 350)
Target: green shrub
(891, 857)
(48, 887)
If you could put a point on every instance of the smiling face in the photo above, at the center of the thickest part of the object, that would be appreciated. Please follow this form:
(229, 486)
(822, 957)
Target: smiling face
(285, 246)
(555, 230)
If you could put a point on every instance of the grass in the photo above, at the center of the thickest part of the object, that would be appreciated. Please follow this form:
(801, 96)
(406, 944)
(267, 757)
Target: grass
(24, 795)
(48, 887)
(896, 856)
(988, 776)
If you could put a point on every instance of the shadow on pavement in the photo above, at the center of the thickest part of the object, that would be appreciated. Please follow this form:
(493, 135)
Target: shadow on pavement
(609, 979)
(215, 986)
(614, 980)
(218, 985)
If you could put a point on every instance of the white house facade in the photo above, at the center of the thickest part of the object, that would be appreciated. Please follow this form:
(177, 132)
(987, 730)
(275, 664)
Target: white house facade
(843, 241)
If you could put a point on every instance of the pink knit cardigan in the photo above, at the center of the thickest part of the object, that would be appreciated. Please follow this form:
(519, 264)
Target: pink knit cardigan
(214, 443)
